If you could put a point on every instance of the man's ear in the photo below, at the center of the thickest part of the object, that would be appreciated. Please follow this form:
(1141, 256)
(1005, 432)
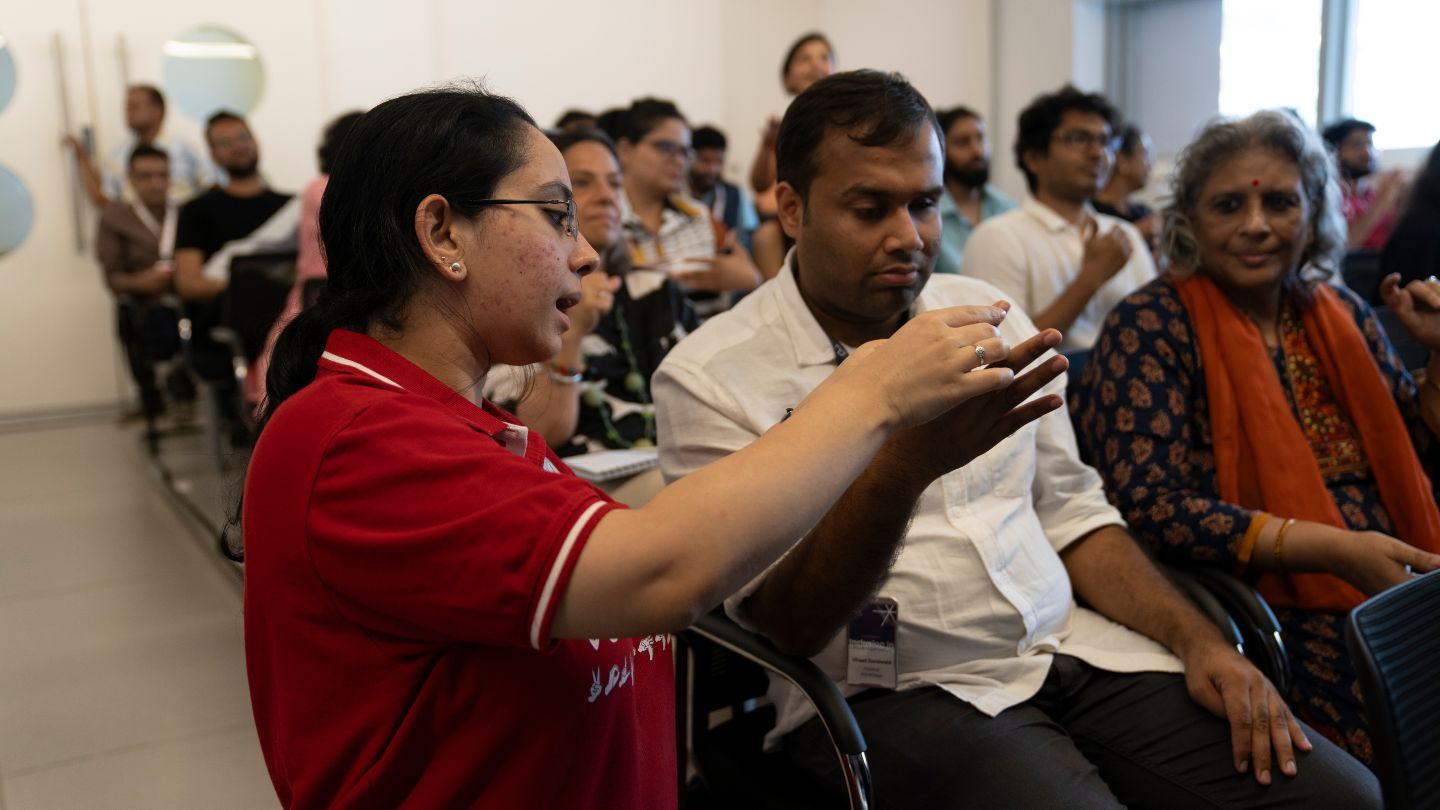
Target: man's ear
(435, 229)
(790, 209)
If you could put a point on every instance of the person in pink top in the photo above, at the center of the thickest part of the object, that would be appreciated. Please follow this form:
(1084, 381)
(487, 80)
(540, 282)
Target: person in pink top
(310, 260)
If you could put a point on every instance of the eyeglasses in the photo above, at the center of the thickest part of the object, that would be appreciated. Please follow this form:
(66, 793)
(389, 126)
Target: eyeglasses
(568, 223)
(672, 149)
(1080, 139)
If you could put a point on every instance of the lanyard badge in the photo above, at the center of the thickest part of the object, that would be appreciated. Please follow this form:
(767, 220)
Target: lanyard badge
(873, 658)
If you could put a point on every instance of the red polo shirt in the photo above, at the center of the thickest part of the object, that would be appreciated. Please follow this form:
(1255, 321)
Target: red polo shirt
(405, 551)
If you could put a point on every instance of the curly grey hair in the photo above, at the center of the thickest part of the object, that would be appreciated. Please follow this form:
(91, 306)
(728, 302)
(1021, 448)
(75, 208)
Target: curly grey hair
(1286, 136)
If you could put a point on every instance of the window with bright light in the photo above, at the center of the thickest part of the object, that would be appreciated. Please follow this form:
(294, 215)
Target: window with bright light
(1394, 68)
(1270, 56)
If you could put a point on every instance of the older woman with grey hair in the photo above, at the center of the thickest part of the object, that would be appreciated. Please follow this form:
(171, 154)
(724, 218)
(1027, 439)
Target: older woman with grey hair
(1249, 415)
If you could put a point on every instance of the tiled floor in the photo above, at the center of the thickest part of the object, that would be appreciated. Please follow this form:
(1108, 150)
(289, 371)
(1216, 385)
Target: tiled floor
(122, 677)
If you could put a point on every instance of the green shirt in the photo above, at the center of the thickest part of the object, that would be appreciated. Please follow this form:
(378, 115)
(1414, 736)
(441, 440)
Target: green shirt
(956, 227)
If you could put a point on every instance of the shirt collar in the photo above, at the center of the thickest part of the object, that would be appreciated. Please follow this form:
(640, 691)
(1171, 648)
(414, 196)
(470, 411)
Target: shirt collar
(362, 356)
(1046, 215)
(811, 345)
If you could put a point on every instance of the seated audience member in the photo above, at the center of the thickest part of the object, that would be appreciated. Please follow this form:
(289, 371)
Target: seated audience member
(134, 243)
(144, 119)
(969, 198)
(1063, 262)
(595, 394)
(576, 121)
(1413, 249)
(438, 613)
(309, 257)
(971, 536)
(213, 227)
(1130, 175)
(1247, 415)
(669, 230)
(1371, 205)
(728, 203)
(809, 59)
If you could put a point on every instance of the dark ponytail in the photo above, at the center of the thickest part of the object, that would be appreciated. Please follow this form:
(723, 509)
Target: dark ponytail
(458, 142)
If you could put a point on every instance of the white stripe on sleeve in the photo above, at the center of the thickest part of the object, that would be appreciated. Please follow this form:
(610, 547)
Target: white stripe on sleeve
(548, 593)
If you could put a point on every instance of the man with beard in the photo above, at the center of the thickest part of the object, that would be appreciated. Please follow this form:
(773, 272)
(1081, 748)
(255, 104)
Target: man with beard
(969, 197)
(225, 215)
(940, 588)
(226, 212)
(1372, 204)
(1064, 263)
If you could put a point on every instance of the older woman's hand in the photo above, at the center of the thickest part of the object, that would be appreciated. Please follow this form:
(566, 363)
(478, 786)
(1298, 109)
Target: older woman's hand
(1417, 305)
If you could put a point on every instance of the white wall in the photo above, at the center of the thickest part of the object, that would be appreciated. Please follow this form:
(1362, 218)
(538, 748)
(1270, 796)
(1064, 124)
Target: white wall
(1173, 76)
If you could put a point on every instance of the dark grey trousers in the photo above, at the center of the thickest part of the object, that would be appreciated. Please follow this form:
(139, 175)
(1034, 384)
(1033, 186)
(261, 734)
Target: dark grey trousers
(1089, 739)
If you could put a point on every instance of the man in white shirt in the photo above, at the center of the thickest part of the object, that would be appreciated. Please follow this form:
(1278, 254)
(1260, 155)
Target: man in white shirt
(1063, 262)
(190, 172)
(959, 552)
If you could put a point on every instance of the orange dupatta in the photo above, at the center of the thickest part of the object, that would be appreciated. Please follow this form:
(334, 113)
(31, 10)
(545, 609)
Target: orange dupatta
(1262, 458)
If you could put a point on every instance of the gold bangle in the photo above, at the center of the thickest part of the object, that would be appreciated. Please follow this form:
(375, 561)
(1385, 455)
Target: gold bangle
(1280, 543)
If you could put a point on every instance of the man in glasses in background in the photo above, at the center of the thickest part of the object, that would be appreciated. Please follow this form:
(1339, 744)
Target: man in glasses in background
(1065, 264)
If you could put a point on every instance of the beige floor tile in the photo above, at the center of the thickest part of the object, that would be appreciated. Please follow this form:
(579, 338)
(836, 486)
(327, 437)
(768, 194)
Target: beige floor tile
(221, 771)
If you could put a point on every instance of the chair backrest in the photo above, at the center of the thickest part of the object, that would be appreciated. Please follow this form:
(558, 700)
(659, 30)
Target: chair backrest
(1394, 641)
(259, 286)
(1361, 271)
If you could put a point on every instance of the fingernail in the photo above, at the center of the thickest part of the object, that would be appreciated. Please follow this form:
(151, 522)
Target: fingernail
(1243, 767)
(1265, 777)
(1290, 768)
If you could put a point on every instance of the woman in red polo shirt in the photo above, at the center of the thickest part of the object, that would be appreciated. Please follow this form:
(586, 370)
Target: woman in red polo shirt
(437, 614)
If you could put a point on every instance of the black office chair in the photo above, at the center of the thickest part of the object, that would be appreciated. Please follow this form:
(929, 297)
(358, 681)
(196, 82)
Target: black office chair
(720, 665)
(254, 298)
(1361, 271)
(1394, 640)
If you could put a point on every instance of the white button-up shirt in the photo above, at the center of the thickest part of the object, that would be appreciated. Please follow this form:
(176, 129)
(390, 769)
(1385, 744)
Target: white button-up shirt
(1033, 254)
(984, 599)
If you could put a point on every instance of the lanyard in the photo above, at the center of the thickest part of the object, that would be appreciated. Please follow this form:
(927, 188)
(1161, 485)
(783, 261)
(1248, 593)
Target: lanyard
(164, 233)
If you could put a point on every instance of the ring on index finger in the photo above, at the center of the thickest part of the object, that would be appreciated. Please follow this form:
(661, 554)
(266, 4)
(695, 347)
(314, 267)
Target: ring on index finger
(979, 353)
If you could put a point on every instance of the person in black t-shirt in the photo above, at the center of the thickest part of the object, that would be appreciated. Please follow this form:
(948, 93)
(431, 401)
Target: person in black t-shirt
(224, 213)
(217, 216)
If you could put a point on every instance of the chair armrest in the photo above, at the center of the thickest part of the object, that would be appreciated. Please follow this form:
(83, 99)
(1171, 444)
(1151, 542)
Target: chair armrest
(1192, 587)
(1255, 618)
(818, 688)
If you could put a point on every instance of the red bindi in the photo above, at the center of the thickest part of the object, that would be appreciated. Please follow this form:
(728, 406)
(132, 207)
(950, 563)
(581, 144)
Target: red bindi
(1255, 183)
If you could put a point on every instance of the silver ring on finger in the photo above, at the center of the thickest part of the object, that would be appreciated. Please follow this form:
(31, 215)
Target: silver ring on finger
(979, 353)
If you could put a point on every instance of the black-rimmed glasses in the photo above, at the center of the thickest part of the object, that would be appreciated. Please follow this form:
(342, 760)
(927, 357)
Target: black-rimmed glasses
(570, 224)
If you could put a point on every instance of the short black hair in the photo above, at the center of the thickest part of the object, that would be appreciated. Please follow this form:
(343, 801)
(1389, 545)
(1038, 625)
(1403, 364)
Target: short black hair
(708, 137)
(564, 140)
(221, 117)
(157, 97)
(612, 121)
(643, 116)
(1130, 139)
(954, 115)
(872, 109)
(571, 116)
(805, 39)
(1340, 130)
(1039, 121)
(146, 150)
(333, 136)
